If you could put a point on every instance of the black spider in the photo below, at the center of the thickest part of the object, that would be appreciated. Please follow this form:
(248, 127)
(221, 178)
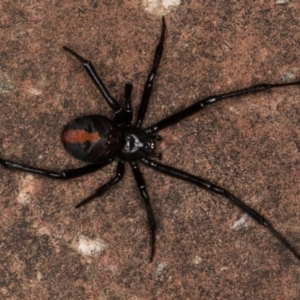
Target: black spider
(98, 140)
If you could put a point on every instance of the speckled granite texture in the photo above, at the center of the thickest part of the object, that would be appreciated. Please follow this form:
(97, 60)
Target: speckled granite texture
(248, 145)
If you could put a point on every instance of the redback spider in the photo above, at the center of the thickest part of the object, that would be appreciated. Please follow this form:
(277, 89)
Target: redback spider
(98, 141)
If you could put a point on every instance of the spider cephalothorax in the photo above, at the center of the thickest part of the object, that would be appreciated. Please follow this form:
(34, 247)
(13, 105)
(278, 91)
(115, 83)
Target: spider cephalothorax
(138, 144)
(98, 140)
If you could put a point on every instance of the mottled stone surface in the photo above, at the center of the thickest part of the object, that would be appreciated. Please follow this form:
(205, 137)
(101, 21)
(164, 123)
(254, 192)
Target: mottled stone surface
(249, 146)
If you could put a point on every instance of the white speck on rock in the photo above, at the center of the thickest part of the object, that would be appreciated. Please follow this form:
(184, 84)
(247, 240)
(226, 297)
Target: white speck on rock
(288, 75)
(39, 276)
(6, 84)
(35, 91)
(87, 246)
(160, 268)
(27, 190)
(197, 260)
(160, 7)
(282, 1)
(242, 222)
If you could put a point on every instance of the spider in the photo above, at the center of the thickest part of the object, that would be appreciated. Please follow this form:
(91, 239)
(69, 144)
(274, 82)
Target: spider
(98, 141)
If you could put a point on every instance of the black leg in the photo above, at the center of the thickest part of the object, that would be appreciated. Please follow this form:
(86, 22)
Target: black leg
(194, 108)
(105, 187)
(151, 76)
(89, 68)
(128, 107)
(64, 174)
(218, 190)
(142, 188)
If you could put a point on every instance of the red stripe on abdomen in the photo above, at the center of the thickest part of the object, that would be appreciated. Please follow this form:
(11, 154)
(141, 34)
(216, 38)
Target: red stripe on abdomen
(79, 136)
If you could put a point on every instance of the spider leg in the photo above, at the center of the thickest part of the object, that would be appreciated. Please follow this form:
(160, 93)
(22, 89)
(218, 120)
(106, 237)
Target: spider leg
(221, 191)
(89, 68)
(128, 107)
(64, 174)
(142, 188)
(151, 76)
(105, 187)
(201, 104)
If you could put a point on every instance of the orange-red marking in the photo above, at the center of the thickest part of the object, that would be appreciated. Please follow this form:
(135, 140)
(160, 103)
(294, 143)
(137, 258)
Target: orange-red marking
(79, 136)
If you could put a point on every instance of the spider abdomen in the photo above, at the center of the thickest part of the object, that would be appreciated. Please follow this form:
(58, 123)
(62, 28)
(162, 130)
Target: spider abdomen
(92, 138)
